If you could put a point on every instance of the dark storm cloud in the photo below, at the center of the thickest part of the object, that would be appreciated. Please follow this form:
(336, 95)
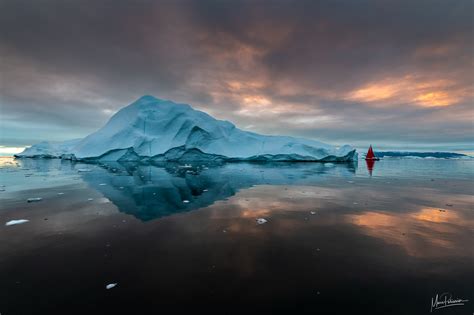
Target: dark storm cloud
(330, 70)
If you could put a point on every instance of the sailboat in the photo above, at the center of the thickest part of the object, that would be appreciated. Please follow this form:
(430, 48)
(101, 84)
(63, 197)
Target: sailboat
(370, 156)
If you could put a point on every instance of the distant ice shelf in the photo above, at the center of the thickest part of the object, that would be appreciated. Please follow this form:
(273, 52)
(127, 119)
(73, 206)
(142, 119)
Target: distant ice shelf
(154, 130)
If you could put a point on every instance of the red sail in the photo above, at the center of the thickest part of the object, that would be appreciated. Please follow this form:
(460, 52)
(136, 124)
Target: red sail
(370, 153)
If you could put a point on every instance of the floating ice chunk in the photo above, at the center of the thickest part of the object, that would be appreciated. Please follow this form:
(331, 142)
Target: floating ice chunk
(329, 164)
(312, 212)
(186, 201)
(261, 221)
(15, 222)
(84, 170)
(205, 190)
(103, 184)
(90, 199)
(110, 286)
(34, 199)
(60, 193)
(350, 181)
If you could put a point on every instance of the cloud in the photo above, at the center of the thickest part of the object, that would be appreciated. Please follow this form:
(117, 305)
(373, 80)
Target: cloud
(395, 72)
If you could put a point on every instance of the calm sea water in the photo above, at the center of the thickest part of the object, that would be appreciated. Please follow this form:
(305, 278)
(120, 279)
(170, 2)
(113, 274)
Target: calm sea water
(339, 238)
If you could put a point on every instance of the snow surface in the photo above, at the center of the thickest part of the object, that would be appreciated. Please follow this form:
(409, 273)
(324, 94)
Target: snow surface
(161, 130)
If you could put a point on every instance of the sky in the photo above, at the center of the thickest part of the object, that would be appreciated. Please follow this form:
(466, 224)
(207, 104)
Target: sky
(395, 74)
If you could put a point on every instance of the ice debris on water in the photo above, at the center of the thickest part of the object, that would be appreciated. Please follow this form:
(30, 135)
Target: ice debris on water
(60, 193)
(34, 199)
(15, 222)
(312, 212)
(84, 170)
(102, 184)
(90, 199)
(110, 286)
(261, 221)
(186, 201)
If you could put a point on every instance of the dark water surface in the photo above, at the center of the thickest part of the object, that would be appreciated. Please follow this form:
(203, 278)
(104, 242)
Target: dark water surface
(338, 240)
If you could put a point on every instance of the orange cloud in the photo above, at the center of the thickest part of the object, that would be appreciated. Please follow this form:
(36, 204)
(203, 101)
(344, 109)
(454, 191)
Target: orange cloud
(410, 89)
(436, 98)
(375, 92)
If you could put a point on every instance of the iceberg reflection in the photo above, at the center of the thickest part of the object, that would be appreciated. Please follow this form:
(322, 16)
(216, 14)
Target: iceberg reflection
(153, 191)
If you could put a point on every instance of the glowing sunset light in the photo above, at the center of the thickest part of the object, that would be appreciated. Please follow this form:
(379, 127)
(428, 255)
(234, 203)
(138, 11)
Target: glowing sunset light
(433, 99)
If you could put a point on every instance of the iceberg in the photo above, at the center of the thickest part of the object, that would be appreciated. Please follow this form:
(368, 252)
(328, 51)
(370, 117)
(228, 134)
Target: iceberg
(155, 130)
(49, 150)
(15, 222)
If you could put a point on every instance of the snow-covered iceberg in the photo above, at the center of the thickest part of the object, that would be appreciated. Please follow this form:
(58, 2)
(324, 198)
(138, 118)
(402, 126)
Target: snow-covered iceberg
(154, 130)
(47, 149)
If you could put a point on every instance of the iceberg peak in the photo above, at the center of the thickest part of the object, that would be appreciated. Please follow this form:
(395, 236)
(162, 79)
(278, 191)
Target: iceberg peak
(147, 98)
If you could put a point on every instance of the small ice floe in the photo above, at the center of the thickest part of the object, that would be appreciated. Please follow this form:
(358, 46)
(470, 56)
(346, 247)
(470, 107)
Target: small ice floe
(103, 184)
(329, 164)
(15, 222)
(350, 181)
(60, 193)
(312, 212)
(90, 199)
(2, 189)
(121, 187)
(186, 201)
(185, 166)
(84, 170)
(204, 190)
(261, 221)
(110, 286)
(355, 203)
(35, 199)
